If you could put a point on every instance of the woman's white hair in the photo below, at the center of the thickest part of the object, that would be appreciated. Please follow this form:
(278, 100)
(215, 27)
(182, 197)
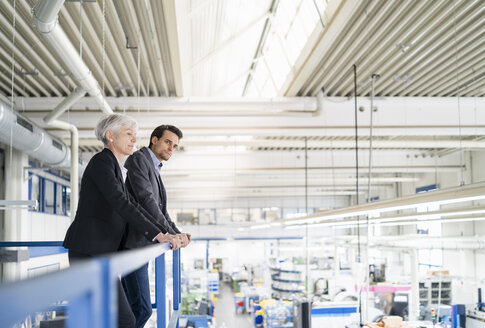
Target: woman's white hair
(113, 122)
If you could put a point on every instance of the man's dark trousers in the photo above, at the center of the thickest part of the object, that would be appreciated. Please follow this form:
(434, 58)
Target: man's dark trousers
(137, 289)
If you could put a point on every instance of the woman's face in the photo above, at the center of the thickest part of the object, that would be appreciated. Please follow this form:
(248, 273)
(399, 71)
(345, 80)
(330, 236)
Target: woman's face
(124, 142)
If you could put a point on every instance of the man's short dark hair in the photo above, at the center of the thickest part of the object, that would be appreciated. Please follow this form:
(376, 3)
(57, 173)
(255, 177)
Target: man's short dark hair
(159, 130)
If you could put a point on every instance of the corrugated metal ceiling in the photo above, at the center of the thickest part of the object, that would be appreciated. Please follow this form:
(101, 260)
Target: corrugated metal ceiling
(216, 47)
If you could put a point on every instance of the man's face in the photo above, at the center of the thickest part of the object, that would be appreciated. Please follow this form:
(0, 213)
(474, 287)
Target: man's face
(164, 146)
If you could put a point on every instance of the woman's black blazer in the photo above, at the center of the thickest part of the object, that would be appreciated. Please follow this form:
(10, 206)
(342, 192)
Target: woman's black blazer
(104, 210)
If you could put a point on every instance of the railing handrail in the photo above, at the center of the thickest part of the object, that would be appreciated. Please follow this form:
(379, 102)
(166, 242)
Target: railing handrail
(89, 286)
(30, 243)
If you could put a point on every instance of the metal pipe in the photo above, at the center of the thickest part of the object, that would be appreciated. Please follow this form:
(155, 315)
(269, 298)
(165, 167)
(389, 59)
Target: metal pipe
(373, 79)
(51, 120)
(46, 22)
(357, 184)
(74, 162)
(77, 94)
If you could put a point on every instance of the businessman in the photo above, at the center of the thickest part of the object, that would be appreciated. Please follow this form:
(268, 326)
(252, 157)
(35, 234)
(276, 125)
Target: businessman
(143, 182)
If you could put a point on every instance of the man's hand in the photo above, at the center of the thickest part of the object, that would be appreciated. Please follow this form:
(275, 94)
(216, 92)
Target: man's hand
(184, 239)
(172, 239)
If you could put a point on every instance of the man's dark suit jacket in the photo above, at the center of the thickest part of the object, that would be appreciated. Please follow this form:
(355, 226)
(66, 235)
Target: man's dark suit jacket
(104, 210)
(146, 187)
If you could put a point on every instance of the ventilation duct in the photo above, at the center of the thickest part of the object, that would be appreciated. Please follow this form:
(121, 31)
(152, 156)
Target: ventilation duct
(28, 137)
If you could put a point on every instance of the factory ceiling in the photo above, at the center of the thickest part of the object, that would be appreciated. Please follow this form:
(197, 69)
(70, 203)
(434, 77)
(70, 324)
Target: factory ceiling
(191, 62)
(219, 48)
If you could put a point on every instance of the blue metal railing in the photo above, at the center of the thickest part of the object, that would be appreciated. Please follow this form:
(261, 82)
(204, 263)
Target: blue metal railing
(90, 288)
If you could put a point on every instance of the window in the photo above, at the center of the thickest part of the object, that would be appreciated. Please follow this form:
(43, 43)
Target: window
(255, 214)
(239, 215)
(58, 199)
(52, 195)
(34, 188)
(207, 216)
(428, 228)
(223, 215)
(66, 200)
(429, 258)
(187, 216)
(49, 196)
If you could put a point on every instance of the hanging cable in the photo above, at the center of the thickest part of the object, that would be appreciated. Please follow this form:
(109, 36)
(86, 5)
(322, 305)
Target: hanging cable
(357, 187)
(104, 40)
(462, 182)
(13, 77)
(81, 29)
(334, 186)
(374, 77)
(306, 225)
(139, 77)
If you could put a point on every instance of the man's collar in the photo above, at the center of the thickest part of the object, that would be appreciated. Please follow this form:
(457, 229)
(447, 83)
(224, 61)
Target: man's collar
(156, 162)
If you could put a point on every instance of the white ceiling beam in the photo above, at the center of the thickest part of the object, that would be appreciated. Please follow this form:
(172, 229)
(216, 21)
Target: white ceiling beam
(430, 116)
(282, 162)
(194, 143)
(327, 38)
(173, 104)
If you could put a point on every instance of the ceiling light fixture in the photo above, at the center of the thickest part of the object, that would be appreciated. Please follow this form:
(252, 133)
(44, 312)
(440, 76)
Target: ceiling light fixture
(465, 193)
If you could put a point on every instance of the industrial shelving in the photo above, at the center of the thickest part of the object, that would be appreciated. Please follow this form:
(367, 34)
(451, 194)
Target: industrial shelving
(286, 283)
(430, 293)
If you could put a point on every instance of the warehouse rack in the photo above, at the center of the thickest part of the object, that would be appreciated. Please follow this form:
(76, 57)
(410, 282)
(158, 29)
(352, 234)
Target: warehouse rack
(286, 283)
(92, 298)
(435, 291)
(278, 314)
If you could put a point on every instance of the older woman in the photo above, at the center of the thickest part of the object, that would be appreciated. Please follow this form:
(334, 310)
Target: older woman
(105, 209)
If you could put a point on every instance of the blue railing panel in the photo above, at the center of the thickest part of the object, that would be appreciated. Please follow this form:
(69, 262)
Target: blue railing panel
(20, 299)
(90, 286)
(80, 312)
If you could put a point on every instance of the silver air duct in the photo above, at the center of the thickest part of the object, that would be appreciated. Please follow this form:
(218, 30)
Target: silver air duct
(28, 137)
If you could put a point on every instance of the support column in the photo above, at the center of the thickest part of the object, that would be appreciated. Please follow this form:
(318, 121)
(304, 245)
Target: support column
(414, 300)
(16, 188)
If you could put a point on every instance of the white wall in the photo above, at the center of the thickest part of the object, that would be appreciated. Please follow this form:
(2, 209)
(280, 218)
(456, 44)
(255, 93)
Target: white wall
(25, 225)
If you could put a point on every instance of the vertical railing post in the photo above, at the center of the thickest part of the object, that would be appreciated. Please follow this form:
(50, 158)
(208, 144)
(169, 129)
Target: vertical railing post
(160, 293)
(207, 255)
(176, 281)
(179, 285)
(109, 294)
